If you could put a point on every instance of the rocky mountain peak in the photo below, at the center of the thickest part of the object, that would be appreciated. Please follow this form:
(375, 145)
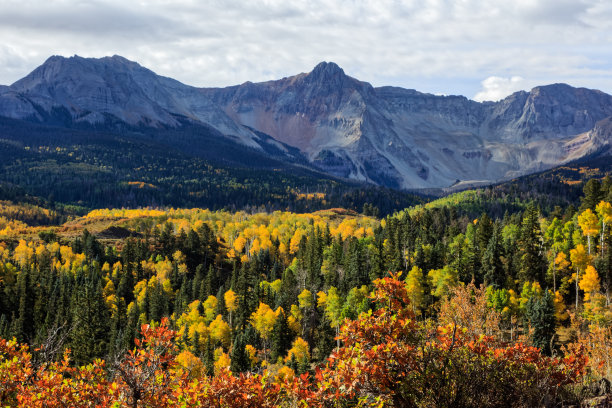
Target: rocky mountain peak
(327, 70)
(56, 70)
(390, 136)
(328, 76)
(90, 88)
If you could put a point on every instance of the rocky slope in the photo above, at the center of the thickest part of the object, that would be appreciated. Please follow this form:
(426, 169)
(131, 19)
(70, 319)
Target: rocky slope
(389, 136)
(96, 90)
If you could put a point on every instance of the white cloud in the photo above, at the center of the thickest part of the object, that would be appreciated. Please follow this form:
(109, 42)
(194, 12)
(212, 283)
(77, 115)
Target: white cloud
(495, 88)
(438, 46)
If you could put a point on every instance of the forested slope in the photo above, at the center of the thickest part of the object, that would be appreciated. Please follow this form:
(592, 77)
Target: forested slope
(277, 293)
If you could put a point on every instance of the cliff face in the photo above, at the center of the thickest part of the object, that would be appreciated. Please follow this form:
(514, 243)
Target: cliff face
(403, 138)
(94, 89)
(389, 136)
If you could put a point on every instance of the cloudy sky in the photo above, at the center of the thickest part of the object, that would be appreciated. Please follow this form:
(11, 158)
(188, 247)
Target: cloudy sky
(484, 50)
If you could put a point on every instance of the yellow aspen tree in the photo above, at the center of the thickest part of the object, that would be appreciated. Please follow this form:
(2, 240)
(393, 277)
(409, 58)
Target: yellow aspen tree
(604, 210)
(295, 319)
(305, 302)
(305, 299)
(231, 303)
(299, 350)
(282, 248)
(284, 374)
(239, 244)
(553, 238)
(589, 282)
(263, 320)
(210, 308)
(106, 269)
(333, 304)
(190, 364)
(415, 288)
(252, 353)
(220, 331)
(580, 259)
(275, 286)
(321, 299)
(179, 257)
(560, 312)
(443, 280)
(255, 247)
(23, 253)
(223, 361)
(589, 223)
(294, 245)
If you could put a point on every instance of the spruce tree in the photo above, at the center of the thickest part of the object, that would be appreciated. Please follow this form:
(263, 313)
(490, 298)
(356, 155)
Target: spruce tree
(209, 357)
(531, 260)
(125, 289)
(23, 329)
(91, 332)
(131, 328)
(492, 266)
(239, 359)
(280, 338)
(540, 315)
(118, 325)
(593, 194)
(484, 232)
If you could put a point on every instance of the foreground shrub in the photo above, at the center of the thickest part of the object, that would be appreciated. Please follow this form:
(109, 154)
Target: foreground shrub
(388, 358)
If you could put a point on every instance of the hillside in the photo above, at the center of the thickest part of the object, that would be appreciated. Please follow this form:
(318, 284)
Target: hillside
(92, 168)
(229, 303)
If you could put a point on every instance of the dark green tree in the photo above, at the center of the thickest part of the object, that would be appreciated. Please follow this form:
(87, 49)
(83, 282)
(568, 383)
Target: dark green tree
(532, 263)
(240, 362)
(540, 315)
(593, 194)
(23, 328)
(280, 338)
(90, 335)
(492, 266)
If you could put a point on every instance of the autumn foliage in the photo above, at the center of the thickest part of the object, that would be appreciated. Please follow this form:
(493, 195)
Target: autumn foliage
(282, 309)
(148, 376)
(387, 358)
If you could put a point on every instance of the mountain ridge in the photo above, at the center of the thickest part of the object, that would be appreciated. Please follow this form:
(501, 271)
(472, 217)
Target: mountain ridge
(390, 136)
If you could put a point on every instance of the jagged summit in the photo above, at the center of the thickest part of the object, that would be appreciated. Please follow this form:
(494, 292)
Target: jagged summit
(327, 70)
(328, 78)
(57, 69)
(387, 135)
(99, 90)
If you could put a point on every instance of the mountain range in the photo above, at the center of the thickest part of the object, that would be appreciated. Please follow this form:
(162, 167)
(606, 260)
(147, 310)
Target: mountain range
(327, 121)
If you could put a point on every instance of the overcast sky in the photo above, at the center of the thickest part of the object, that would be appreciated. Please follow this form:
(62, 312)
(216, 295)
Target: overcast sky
(484, 50)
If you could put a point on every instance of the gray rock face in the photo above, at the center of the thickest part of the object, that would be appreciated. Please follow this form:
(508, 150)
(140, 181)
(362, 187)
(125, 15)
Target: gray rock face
(389, 136)
(92, 88)
(549, 112)
(403, 138)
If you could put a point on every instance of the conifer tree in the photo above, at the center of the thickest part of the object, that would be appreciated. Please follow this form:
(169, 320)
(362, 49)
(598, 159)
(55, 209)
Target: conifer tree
(209, 357)
(593, 194)
(280, 338)
(540, 315)
(125, 289)
(492, 266)
(90, 335)
(239, 358)
(484, 232)
(23, 329)
(531, 259)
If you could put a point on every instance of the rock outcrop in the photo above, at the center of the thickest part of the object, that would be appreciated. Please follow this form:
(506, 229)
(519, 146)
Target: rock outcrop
(388, 136)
